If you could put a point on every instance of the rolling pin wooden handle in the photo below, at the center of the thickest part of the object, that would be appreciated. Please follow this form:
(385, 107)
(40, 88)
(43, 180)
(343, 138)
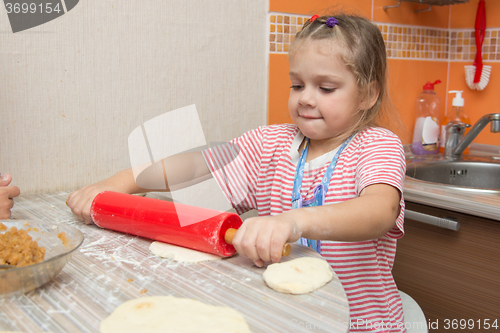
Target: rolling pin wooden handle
(228, 237)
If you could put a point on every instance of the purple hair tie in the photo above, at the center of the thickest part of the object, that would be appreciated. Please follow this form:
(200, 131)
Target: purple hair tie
(331, 22)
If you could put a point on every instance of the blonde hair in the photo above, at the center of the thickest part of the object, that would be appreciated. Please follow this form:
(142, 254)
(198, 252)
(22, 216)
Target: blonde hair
(367, 59)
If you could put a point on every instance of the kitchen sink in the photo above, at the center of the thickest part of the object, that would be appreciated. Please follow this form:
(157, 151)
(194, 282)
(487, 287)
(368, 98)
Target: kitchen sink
(465, 172)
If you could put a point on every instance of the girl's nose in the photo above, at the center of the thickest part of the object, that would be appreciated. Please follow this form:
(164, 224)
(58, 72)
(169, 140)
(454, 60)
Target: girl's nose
(306, 98)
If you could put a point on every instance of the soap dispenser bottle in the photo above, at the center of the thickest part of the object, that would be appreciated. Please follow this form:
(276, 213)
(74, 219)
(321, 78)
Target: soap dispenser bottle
(456, 113)
(426, 131)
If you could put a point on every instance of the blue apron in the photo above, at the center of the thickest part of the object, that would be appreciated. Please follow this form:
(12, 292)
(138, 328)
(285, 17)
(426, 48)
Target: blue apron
(319, 192)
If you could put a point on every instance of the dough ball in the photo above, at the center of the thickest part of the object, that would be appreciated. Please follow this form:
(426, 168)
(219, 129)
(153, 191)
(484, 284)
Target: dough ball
(179, 253)
(171, 314)
(298, 276)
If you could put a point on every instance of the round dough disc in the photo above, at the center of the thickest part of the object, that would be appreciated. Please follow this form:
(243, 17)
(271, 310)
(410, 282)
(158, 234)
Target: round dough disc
(171, 314)
(179, 253)
(298, 276)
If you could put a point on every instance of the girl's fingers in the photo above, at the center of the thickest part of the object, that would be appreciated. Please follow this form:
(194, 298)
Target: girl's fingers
(85, 212)
(263, 244)
(262, 239)
(277, 244)
(6, 201)
(245, 241)
(72, 203)
(13, 191)
(5, 180)
(79, 202)
(259, 263)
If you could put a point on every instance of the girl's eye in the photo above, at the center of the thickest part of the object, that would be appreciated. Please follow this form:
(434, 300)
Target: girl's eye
(296, 87)
(327, 90)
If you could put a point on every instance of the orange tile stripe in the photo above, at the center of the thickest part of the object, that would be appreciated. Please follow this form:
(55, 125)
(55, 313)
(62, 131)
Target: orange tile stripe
(402, 41)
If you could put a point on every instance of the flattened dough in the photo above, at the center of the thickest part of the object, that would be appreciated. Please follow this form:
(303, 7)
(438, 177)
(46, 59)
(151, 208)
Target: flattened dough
(180, 254)
(171, 314)
(298, 276)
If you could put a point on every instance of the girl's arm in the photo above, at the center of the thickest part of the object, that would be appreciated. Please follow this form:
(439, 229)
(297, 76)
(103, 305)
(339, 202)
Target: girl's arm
(172, 173)
(369, 216)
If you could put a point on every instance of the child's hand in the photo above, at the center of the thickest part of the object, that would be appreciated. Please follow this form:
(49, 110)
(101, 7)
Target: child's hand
(6, 194)
(80, 201)
(262, 238)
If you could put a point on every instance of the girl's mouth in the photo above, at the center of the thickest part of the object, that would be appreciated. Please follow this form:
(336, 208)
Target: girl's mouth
(306, 116)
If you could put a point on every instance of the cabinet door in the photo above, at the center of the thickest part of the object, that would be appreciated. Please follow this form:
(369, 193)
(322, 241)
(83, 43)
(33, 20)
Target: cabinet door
(453, 275)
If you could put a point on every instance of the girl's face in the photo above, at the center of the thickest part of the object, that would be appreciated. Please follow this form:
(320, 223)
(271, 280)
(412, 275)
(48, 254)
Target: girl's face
(324, 98)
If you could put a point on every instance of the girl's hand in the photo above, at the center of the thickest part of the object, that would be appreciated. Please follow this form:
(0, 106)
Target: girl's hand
(262, 238)
(80, 201)
(6, 194)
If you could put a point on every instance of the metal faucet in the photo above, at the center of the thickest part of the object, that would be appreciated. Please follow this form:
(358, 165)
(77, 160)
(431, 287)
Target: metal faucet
(455, 131)
(494, 118)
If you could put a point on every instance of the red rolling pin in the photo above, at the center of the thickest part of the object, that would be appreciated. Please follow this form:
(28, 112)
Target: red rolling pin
(160, 220)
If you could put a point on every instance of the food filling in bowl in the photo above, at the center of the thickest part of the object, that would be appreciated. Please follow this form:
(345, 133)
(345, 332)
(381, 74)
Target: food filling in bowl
(17, 248)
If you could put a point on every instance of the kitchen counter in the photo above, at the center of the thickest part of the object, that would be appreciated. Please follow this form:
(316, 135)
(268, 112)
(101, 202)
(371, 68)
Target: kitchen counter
(448, 259)
(111, 268)
(485, 204)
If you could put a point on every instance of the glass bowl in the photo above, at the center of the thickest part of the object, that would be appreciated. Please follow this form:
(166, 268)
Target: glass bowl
(20, 280)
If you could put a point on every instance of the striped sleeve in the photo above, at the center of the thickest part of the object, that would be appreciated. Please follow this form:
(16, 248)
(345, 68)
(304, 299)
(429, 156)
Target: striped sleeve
(231, 165)
(382, 161)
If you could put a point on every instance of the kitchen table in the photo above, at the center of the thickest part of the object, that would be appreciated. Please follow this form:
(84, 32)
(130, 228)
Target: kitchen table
(111, 267)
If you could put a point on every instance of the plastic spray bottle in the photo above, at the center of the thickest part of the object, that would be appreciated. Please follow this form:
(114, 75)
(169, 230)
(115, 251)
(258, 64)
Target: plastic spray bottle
(426, 132)
(456, 113)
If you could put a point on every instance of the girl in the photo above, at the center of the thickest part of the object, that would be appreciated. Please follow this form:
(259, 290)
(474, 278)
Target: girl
(333, 179)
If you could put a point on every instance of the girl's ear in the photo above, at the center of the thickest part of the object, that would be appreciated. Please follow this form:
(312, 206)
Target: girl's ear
(370, 96)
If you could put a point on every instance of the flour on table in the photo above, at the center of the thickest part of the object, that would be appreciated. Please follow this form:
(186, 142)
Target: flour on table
(298, 276)
(171, 314)
(179, 253)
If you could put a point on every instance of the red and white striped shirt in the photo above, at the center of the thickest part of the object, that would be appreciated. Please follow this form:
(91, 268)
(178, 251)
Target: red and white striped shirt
(256, 171)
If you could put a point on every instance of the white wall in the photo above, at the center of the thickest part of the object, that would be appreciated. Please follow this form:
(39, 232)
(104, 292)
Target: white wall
(73, 89)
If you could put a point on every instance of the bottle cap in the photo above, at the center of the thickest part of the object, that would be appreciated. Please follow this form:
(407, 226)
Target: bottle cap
(458, 100)
(430, 86)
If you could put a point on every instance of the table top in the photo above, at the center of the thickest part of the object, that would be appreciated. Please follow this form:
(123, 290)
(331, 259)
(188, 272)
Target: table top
(111, 268)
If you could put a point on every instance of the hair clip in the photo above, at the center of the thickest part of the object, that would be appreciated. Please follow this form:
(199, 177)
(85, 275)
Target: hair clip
(314, 17)
(331, 22)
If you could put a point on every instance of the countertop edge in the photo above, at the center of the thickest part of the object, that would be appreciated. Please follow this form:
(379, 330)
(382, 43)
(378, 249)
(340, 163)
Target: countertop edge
(486, 205)
(470, 207)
